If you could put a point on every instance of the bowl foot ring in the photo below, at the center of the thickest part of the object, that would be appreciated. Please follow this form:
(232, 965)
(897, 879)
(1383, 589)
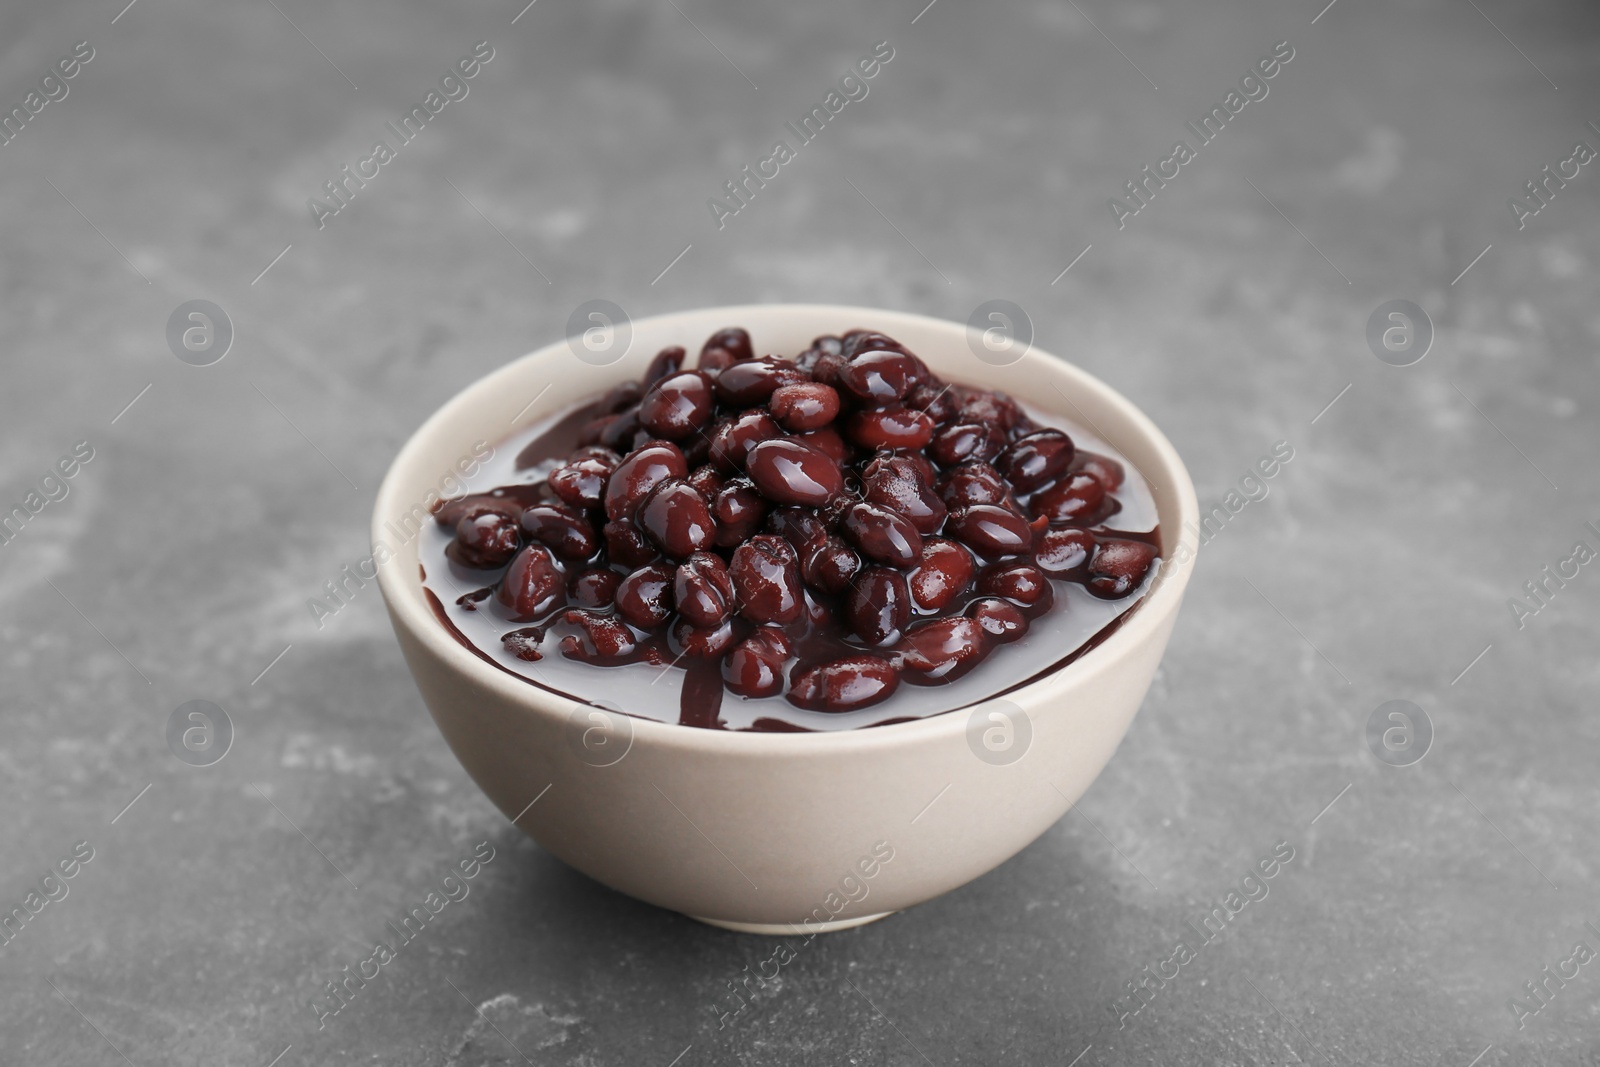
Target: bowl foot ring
(792, 929)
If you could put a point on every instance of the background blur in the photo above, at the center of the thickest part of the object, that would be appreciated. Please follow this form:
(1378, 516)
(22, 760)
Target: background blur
(1233, 308)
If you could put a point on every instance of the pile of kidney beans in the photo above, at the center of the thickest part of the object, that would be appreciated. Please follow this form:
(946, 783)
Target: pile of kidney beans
(824, 526)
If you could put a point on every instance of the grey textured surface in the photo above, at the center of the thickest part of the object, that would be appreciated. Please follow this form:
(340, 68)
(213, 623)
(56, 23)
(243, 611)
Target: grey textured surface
(1381, 562)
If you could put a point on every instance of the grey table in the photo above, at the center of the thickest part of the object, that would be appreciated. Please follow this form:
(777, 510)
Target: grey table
(1382, 564)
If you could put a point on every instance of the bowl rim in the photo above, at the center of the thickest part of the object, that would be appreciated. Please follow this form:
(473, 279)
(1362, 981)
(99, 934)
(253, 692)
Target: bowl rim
(402, 587)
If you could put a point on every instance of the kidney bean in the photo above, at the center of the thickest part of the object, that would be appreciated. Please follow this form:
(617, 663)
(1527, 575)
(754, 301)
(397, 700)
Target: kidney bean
(1108, 470)
(889, 427)
(619, 433)
(451, 512)
(936, 400)
(974, 483)
(898, 483)
(620, 397)
(1064, 553)
(941, 649)
(1001, 620)
(788, 472)
(827, 367)
(737, 510)
(581, 483)
(830, 566)
(565, 529)
(594, 588)
(1117, 567)
(663, 364)
(753, 382)
(801, 527)
(639, 473)
(878, 377)
(706, 479)
(766, 580)
(827, 441)
(486, 541)
(878, 606)
(677, 405)
(626, 544)
(844, 684)
(733, 340)
(1077, 498)
(855, 342)
(702, 588)
(532, 585)
(963, 442)
(1035, 460)
(942, 573)
(754, 668)
(801, 406)
(591, 431)
(734, 437)
(990, 409)
(677, 518)
(524, 643)
(713, 361)
(605, 637)
(684, 638)
(990, 530)
(644, 598)
(881, 534)
(1015, 580)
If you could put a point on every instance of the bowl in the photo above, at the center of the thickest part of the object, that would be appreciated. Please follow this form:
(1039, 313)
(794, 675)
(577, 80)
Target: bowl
(777, 833)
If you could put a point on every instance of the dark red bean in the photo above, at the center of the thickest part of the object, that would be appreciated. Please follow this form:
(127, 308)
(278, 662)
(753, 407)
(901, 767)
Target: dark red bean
(990, 409)
(1076, 498)
(733, 438)
(677, 518)
(754, 381)
(788, 472)
(677, 406)
(605, 637)
(566, 530)
(532, 585)
(702, 589)
(644, 598)
(827, 441)
(855, 342)
(451, 512)
(714, 361)
(639, 473)
(974, 483)
(594, 588)
(663, 364)
(732, 340)
(486, 541)
(706, 479)
(1001, 620)
(878, 377)
(827, 367)
(524, 643)
(878, 606)
(1108, 470)
(582, 483)
(937, 400)
(620, 398)
(830, 566)
(766, 578)
(943, 649)
(737, 510)
(990, 530)
(684, 638)
(899, 484)
(942, 574)
(882, 534)
(964, 442)
(591, 431)
(804, 405)
(799, 526)
(1064, 553)
(619, 433)
(844, 684)
(1037, 459)
(754, 667)
(890, 427)
(1117, 567)
(627, 545)
(1015, 580)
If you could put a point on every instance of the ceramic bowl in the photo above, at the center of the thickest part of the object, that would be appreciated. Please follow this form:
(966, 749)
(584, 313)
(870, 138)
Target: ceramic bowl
(778, 832)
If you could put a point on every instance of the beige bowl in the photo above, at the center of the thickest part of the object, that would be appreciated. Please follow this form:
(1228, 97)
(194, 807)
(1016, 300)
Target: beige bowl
(772, 832)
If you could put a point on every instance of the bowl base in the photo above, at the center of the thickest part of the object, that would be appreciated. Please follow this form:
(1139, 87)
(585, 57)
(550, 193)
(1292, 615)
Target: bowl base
(792, 929)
